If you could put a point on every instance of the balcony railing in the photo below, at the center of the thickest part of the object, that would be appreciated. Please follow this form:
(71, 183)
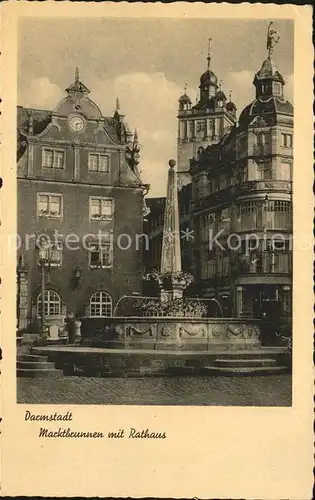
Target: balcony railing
(266, 263)
(266, 220)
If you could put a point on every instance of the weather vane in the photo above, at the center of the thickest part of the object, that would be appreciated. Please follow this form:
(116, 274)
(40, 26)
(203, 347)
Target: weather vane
(209, 52)
(272, 39)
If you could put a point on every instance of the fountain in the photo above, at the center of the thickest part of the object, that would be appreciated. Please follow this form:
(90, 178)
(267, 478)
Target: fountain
(170, 322)
(169, 333)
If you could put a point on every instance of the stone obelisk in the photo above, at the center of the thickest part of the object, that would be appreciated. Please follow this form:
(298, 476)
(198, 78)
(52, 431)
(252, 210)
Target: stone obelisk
(172, 286)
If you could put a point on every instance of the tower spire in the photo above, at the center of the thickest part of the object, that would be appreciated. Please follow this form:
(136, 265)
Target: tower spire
(185, 88)
(117, 104)
(77, 78)
(209, 52)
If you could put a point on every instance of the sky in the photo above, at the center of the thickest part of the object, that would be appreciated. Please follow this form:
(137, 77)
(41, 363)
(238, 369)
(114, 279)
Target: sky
(146, 62)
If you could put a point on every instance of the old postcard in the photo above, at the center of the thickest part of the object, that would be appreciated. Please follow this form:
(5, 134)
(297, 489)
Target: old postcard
(156, 250)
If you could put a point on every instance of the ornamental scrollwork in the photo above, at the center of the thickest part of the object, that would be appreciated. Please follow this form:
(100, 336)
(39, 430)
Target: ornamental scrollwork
(199, 331)
(165, 332)
(235, 331)
(131, 330)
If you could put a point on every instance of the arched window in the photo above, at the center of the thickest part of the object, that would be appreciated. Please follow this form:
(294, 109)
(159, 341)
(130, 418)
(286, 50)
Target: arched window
(100, 305)
(52, 303)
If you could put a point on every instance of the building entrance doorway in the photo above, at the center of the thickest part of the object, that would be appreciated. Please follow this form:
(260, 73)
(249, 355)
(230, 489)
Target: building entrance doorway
(264, 300)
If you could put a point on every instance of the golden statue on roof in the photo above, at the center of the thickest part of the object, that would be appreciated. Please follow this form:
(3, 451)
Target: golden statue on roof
(272, 39)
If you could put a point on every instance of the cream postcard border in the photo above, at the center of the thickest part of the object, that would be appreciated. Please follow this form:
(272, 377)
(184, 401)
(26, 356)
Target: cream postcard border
(210, 452)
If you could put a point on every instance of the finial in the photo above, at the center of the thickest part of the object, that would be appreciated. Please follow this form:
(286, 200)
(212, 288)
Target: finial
(185, 88)
(117, 104)
(272, 39)
(77, 78)
(172, 163)
(230, 95)
(31, 122)
(197, 98)
(220, 85)
(135, 136)
(209, 52)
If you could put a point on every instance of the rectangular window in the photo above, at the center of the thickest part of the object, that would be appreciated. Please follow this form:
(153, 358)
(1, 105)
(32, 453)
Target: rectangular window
(53, 158)
(285, 171)
(52, 254)
(264, 171)
(286, 140)
(49, 205)
(100, 256)
(286, 300)
(223, 181)
(277, 215)
(201, 126)
(247, 215)
(98, 162)
(277, 88)
(101, 208)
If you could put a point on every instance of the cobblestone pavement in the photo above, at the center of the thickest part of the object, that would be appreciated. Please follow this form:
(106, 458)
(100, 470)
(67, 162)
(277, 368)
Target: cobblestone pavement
(271, 390)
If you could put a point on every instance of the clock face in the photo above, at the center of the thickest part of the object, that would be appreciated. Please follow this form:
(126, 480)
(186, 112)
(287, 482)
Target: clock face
(76, 123)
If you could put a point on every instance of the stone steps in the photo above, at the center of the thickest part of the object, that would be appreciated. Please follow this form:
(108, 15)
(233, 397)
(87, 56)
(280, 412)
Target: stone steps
(35, 364)
(271, 354)
(39, 372)
(247, 362)
(262, 362)
(31, 365)
(245, 370)
(32, 357)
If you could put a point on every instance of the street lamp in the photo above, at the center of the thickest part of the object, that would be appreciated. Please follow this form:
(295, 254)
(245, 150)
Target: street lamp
(44, 260)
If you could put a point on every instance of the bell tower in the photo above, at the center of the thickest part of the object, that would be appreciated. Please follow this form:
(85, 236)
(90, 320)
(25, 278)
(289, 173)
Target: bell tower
(204, 123)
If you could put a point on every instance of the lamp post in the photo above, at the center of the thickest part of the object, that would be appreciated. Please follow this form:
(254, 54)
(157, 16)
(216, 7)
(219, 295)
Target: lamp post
(44, 259)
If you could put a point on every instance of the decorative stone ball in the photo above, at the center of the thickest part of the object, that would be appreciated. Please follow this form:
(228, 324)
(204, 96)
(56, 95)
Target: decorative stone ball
(172, 163)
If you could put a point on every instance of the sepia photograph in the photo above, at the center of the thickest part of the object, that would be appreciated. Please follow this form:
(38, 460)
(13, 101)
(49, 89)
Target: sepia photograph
(154, 211)
(156, 250)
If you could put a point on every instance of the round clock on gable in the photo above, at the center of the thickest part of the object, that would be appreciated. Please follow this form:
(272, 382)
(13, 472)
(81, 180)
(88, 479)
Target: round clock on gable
(76, 123)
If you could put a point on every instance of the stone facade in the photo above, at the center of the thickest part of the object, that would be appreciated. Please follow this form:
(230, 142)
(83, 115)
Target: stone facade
(238, 182)
(77, 175)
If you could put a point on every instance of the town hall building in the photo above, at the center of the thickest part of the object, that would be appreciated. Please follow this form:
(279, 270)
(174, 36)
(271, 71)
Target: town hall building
(79, 193)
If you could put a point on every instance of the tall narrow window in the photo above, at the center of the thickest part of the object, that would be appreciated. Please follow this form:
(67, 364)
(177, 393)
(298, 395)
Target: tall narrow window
(248, 215)
(286, 140)
(264, 171)
(285, 171)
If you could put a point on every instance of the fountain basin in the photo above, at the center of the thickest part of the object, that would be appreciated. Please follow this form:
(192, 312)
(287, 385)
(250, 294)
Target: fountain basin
(172, 333)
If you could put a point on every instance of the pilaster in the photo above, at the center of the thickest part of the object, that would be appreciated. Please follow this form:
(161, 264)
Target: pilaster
(22, 288)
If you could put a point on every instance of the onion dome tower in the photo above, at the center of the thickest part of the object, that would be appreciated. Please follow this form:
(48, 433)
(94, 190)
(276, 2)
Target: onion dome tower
(204, 123)
(208, 80)
(184, 101)
(270, 102)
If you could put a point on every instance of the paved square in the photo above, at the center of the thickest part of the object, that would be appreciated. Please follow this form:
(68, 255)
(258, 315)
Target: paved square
(271, 390)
